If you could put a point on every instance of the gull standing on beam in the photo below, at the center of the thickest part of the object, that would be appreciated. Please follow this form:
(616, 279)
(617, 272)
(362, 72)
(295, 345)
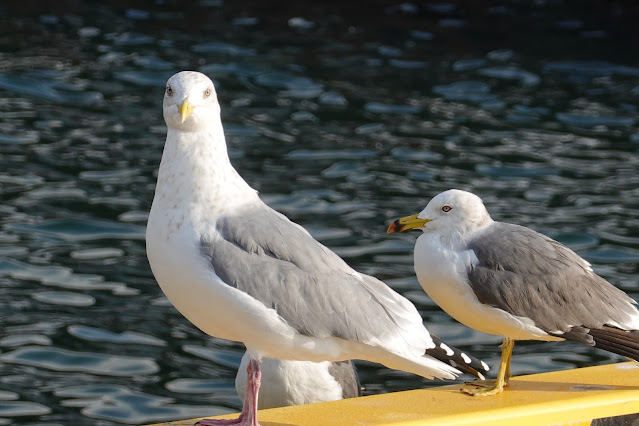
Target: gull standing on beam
(509, 280)
(240, 271)
(286, 382)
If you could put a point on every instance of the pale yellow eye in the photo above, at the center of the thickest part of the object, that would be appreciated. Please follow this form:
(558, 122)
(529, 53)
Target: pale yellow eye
(446, 209)
(207, 93)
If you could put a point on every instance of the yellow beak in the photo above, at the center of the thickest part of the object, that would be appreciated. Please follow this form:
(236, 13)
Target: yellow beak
(408, 222)
(185, 110)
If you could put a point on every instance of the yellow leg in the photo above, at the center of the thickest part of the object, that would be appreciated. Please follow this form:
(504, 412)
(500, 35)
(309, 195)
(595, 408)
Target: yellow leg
(504, 347)
(493, 387)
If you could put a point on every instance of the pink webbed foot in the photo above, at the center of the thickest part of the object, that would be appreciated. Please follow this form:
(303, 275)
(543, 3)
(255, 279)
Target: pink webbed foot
(223, 422)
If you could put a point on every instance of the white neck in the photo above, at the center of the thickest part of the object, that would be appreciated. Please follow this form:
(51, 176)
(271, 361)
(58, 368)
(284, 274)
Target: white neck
(196, 173)
(457, 237)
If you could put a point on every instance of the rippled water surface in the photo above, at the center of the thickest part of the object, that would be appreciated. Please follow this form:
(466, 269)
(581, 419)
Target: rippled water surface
(344, 119)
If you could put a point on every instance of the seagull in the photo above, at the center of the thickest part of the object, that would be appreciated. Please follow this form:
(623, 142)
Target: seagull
(286, 382)
(240, 271)
(508, 280)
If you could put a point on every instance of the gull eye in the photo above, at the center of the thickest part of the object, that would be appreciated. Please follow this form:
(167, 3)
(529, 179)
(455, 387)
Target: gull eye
(169, 91)
(446, 209)
(207, 93)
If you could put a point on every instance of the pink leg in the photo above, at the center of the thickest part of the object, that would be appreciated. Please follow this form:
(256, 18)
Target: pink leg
(248, 416)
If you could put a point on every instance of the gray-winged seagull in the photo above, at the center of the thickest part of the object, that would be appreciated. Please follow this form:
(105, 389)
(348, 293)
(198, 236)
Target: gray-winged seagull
(509, 280)
(239, 270)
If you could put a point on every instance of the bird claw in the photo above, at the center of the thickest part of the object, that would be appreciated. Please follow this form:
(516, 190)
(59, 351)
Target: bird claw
(240, 421)
(483, 388)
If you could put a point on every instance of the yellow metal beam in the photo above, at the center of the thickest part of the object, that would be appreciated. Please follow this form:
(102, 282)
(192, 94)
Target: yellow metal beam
(571, 397)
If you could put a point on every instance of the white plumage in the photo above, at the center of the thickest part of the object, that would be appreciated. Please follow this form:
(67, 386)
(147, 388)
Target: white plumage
(240, 271)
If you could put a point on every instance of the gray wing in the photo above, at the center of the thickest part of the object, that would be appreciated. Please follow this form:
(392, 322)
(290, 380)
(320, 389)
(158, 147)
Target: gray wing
(346, 375)
(529, 274)
(278, 263)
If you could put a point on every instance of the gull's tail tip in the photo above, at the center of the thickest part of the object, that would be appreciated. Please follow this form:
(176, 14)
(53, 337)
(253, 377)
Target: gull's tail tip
(457, 358)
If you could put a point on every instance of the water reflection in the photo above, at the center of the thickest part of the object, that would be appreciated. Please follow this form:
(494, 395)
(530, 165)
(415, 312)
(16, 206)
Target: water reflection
(88, 362)
(341, 122)
(122, 405)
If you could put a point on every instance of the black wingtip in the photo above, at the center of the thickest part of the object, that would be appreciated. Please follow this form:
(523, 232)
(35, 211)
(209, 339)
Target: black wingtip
(457, 358)
(621, 342)
(611, 339)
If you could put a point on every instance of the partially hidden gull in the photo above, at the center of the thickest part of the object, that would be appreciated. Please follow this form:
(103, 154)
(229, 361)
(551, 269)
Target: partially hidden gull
(240, 271)
(285, 382)
(509, 280)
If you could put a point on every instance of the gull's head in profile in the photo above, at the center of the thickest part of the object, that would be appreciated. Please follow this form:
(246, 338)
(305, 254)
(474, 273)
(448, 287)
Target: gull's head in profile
(190, 101)
(452, 211)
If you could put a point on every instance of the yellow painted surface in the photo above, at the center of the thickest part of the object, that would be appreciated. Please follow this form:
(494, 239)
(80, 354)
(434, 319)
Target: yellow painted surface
(570, 397)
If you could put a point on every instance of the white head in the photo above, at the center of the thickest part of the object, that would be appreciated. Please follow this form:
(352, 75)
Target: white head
(190, 101)
(451, 212)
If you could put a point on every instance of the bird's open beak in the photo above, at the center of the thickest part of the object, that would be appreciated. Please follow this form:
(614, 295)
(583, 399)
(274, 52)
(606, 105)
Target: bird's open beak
(185, 110)
(408, 222)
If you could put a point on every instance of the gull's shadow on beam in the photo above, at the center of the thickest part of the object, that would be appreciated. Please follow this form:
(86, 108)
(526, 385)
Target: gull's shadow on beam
(192, 422)
(276, 423)
(547, 386)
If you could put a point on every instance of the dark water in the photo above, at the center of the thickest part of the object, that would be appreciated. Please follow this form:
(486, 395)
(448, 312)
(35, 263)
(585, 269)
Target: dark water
(344, 118)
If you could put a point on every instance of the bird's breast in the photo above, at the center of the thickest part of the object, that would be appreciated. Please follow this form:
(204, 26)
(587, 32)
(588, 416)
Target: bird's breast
(438, 263)
(441, 271)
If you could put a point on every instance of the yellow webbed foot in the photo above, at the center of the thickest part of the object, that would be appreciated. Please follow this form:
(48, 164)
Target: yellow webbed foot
(483, 388)
(493, 387)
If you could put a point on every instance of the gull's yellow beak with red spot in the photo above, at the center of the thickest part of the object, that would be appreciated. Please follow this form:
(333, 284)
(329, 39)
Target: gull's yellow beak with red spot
(408, 222)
